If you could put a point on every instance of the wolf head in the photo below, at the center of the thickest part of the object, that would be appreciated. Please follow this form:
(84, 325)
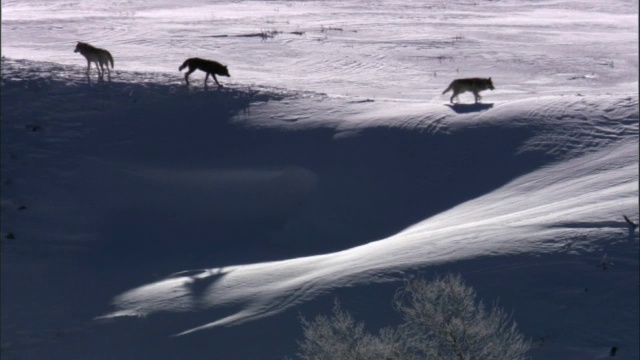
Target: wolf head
(79, 46)
(490, 84)
(224, 71)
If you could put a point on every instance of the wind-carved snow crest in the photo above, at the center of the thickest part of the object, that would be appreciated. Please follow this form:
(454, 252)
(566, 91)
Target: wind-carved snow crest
(597, 181)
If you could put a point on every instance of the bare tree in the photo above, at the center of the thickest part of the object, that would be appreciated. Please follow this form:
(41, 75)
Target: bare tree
(443, 321)
(339, 337)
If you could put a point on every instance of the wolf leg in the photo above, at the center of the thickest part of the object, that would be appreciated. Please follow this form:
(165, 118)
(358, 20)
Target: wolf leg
(477, 96)
(205, 79)
(100, 68)
(101, 71)
(186, 76)
(108, 71)
(214, 78)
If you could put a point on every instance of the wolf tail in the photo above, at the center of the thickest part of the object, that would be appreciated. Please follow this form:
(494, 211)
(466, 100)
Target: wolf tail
(184, 65)
(110, 58)
(448, 89)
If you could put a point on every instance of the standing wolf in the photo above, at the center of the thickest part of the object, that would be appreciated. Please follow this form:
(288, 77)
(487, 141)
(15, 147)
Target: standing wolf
(474, 85)
(99, 56)
(209, 66)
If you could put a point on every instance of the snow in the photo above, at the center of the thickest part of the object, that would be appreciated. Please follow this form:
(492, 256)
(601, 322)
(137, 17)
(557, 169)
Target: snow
(155, 220)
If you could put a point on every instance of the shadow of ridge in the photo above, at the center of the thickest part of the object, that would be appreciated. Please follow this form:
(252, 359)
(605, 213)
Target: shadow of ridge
(599, 225)
(469, 108)
(398, 164)
(590, 225)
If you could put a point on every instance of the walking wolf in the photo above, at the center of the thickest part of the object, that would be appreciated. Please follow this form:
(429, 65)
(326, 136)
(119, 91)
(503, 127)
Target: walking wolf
(474, 85)
(99, 56)
(211, 67)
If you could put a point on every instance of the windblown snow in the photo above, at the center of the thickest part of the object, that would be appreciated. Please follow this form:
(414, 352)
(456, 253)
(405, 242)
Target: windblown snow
(329, 165)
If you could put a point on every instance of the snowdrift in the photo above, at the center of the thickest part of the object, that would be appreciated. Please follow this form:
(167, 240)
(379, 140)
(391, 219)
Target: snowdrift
(258, 200)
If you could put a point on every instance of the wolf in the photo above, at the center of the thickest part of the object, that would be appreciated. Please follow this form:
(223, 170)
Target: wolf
(474, 85)
(209, 66)
(99, 56)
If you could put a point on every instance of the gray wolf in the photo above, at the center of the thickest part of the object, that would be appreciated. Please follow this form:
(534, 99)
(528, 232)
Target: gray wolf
(474, 85)
(209, 66)
(99, 56)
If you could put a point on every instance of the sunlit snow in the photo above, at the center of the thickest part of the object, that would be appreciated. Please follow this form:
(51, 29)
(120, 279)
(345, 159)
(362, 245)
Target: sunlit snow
(142, 218)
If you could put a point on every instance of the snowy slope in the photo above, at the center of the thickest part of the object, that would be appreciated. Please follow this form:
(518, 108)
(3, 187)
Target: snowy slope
(394, 49)
(142, 209)
(548, 180)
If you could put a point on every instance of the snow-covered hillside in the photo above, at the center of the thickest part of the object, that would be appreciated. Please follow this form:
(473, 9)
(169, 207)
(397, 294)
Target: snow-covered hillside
(328, 166)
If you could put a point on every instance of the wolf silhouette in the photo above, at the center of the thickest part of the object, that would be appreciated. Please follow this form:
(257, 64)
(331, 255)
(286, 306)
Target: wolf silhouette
(100, 57)
(474, 85)
(211, 67)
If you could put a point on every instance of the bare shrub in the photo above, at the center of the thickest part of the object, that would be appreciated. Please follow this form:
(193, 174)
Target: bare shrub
(442, 321)
(339, 336)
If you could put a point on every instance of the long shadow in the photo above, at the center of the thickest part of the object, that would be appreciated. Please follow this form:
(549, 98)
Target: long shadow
(591, 225)
(369, 186)
(469, 108)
